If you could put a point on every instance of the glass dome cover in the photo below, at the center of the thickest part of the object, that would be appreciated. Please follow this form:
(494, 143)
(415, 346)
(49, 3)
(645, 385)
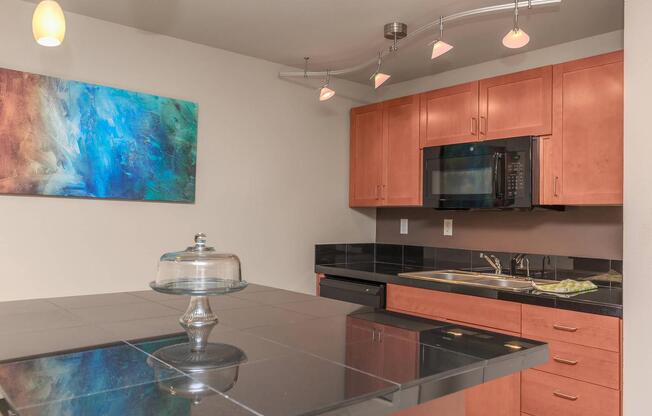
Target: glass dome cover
(198, 271)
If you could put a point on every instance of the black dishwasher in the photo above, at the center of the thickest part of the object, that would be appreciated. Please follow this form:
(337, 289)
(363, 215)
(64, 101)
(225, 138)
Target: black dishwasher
(352, 290)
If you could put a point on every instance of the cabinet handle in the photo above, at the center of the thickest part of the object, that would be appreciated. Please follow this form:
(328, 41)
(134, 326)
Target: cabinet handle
(565, 396)
(383, 194)
(554, 186)
(380, 336)
(565, 328)
(483, 122)
(373, 335)
(474, 126)
(377, 192)
(565, 361)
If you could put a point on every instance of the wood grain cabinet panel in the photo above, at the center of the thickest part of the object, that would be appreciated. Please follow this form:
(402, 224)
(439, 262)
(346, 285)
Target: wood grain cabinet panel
(403, 177)
(449, 115)
(401, 353)
(489, 313)
(385, 157)
(499, 397)
(366, 156)
(592, 365)
(588, 123)
(574, 327)
(546, 394)
(518, 104)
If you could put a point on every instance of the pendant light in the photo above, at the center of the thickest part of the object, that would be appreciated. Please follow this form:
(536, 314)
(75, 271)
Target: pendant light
(439, 47)
(326, 93)
(516, 38)
(378, 77)
(48, 23)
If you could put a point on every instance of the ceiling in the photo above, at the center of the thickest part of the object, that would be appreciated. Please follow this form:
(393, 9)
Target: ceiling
(342, 33)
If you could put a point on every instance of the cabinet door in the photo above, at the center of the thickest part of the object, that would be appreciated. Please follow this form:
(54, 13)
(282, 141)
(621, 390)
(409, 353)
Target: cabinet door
(549, 171)
(449, 115)
(588, 122)
(364, 353)
(518, 104)
(366, 156)
(401, 354)
(402, 185)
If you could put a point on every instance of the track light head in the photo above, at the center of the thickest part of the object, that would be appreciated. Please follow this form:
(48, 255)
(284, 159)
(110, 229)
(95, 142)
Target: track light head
(516, 38)
(439, 48)
(379, 77)
(326, 93)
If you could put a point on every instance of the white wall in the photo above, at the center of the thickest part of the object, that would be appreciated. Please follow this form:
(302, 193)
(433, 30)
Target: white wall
(638, 209)
(272, 168)
(581, 48)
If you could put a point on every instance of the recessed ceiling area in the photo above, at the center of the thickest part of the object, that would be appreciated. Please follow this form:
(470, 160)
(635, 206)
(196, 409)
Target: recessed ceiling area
(342, 33)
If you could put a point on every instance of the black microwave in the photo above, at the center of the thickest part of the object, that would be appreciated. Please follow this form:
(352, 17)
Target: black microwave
(493, 174)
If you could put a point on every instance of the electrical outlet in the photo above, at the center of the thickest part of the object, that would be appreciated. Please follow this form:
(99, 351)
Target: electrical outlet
(404, 226)
(448, 227)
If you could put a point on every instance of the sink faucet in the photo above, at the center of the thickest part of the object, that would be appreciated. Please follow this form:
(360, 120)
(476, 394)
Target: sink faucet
(493, 262)
(521, 262)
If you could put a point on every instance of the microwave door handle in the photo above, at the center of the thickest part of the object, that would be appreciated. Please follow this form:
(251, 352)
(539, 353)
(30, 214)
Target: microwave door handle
(497, 186)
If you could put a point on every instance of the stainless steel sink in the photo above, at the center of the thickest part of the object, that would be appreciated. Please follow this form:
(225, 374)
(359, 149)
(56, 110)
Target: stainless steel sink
(501, 282)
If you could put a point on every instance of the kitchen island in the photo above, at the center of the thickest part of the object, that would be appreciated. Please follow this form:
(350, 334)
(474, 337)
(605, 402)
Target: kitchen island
(302, 355)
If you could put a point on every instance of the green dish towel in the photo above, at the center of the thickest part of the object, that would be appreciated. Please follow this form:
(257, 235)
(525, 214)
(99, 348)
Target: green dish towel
(566, 286)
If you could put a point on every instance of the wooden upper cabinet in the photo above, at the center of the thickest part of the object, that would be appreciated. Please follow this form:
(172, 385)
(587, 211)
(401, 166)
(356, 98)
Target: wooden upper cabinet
(588, 130)
(366, 156)
(449, 115)
(518, 104)
(402, 184)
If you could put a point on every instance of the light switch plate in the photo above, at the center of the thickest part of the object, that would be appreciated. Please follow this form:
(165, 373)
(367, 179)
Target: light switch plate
(404, 226)
(448, 227)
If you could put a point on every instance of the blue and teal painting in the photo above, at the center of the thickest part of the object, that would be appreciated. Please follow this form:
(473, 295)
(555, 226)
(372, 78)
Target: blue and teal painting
(69, 138)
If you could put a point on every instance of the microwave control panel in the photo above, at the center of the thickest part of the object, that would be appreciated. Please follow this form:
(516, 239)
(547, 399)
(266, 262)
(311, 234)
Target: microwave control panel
(515, 177)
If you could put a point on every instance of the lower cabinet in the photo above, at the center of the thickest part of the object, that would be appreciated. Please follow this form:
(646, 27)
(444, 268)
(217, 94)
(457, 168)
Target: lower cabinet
(581, 378)
(547, 394)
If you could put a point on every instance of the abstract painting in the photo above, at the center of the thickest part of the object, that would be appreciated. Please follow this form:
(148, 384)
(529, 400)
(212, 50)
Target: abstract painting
(70, 138)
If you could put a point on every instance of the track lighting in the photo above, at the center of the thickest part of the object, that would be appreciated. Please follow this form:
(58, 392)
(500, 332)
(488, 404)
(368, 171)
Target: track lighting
(326, 93)
(516, 38)
(378, 77)
(48, 23)
(439, 47)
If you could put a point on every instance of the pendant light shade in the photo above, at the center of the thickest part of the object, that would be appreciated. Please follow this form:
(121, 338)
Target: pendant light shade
(439, 48)
(326, 93)
(48, 23)
(380, 78)
(516, 38)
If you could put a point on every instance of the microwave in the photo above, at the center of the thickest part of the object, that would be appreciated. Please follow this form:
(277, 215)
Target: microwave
(493, 174)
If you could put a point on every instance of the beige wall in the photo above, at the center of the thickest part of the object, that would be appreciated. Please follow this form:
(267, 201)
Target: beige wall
(271, 181)
(638, 209)
(581, 48)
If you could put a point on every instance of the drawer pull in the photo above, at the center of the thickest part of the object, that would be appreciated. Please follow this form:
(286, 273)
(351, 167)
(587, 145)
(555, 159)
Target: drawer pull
(564, 396)
(564, 328)
(565, 361)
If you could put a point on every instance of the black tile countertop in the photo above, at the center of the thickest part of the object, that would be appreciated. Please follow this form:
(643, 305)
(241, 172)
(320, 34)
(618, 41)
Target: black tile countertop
(93, 355)
(602, 301)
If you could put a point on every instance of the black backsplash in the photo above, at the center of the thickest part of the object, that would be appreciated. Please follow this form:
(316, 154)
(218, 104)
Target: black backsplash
(434, 258)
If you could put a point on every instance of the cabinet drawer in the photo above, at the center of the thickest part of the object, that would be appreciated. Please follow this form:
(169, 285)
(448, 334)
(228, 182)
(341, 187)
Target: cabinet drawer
(489, 313)
(575, 327)
(546, 394)
(584, 363)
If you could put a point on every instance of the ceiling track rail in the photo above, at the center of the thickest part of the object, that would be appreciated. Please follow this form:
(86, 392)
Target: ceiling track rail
(435, 24)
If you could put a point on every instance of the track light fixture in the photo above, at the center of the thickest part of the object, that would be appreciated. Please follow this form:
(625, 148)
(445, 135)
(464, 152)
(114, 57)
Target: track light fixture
(326, 93)
(397, 32)
(378, 77)
(516, 38)
(439, 47)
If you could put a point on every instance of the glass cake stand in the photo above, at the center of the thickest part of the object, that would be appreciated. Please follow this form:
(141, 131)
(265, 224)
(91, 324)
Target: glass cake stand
(199, 272)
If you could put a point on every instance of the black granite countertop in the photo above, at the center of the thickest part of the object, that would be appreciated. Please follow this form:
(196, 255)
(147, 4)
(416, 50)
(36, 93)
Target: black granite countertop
(602, 301)
(304, 355)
